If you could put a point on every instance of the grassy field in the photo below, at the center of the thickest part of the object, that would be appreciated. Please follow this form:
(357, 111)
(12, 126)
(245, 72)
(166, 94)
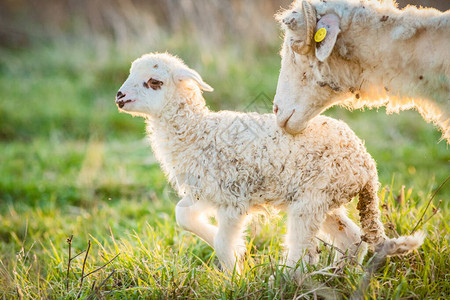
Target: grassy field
(72, 165)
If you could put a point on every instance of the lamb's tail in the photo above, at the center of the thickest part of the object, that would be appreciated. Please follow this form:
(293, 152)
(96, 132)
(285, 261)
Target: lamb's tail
(401, 245)
(370, 217)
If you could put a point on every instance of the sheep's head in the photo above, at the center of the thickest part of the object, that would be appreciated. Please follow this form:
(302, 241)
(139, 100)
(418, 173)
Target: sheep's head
(304, 90)
(153, 81)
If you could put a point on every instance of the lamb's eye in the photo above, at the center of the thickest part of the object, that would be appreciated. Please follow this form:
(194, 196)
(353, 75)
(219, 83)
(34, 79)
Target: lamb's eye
(153, 83)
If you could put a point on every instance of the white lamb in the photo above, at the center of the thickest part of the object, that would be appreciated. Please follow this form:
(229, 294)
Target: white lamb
(372, 55)
(233, 164)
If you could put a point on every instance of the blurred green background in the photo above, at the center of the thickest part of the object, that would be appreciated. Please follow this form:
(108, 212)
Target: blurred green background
(61, 63)
(72, 164)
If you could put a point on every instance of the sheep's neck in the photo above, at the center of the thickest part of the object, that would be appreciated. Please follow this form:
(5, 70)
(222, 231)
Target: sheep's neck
(415, 55)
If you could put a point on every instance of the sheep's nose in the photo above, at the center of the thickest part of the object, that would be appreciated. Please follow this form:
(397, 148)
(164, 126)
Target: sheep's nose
(120, 95)
(275, 109)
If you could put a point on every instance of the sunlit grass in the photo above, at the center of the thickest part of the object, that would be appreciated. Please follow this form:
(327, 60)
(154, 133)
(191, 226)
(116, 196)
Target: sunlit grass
(158, 259)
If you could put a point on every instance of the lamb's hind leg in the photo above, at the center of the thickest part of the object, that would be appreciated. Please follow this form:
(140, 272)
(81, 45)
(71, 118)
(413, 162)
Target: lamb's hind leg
(190, 216)
(302, 227)
(344, 234)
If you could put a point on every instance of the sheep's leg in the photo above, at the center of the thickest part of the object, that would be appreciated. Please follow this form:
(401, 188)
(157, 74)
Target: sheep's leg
(228, 243)
(344, 234)
(190, 216)
(302, 227)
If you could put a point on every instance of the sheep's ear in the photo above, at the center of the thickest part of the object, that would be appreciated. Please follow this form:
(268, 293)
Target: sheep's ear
(189, 74)
(331, 24)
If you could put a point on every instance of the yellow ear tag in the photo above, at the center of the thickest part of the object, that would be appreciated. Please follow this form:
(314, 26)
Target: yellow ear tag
(320, 35)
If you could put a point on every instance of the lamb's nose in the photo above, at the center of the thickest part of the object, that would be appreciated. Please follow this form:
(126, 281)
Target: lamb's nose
(275, 109)
(120, 95)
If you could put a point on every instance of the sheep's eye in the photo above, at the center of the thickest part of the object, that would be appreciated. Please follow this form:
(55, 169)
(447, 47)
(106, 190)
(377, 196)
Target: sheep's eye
(153, 83)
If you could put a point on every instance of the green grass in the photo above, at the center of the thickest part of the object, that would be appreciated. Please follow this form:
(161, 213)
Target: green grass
(71, 164)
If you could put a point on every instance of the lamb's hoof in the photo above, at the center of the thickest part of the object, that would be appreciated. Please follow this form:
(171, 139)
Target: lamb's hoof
(285, 275)
(272, 281)
(275, 281)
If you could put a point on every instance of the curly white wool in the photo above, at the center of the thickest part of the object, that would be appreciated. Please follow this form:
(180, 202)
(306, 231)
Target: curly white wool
(233, 164)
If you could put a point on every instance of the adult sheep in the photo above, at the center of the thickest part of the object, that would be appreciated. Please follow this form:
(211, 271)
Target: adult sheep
(233, 164)
(372, 55)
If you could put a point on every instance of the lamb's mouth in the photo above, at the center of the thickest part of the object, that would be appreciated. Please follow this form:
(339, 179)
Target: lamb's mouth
(121, 103)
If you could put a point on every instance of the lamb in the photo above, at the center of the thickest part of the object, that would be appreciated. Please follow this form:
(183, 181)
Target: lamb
(233, 164)
(372, 55)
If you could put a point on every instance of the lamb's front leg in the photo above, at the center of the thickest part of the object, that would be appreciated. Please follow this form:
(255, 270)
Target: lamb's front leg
(228, 243)
(190, 216)
(302, 227)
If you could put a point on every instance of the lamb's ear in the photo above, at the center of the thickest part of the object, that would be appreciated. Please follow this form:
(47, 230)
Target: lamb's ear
(331, 24)
(189, 74)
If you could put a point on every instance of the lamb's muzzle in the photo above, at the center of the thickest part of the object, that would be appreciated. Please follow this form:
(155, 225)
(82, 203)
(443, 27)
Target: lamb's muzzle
(120, 95)
(120, 102)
